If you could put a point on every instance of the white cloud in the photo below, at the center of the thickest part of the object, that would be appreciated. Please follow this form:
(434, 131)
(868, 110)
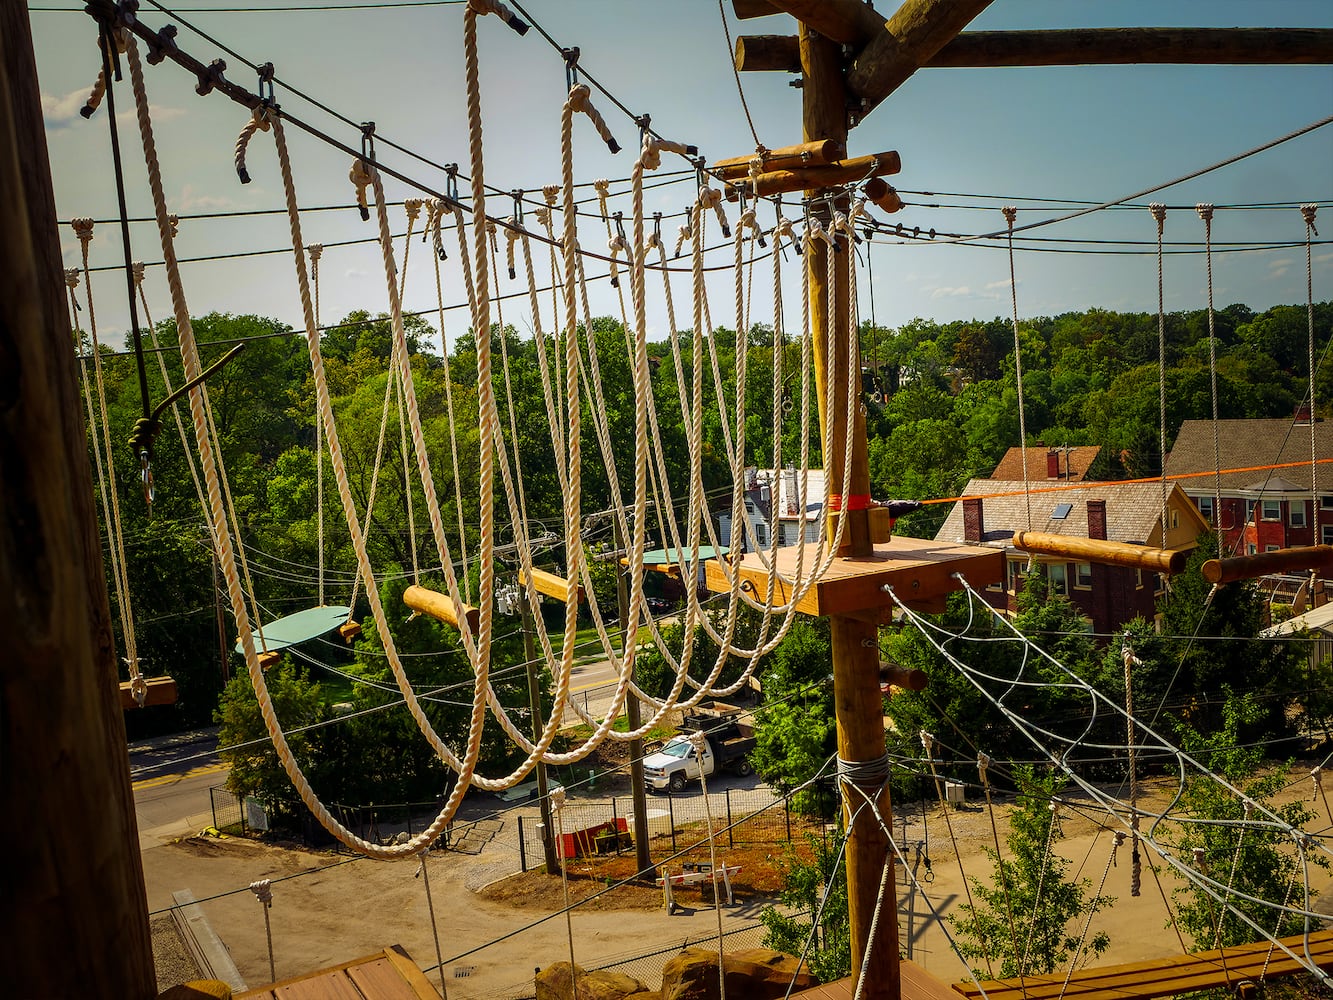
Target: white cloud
(192, 201)
(994, 285)
(1322, 258)
(950, 293)
(61, 112)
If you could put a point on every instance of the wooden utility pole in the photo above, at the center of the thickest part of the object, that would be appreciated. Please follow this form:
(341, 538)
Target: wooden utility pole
(855, 640)
(76, 916)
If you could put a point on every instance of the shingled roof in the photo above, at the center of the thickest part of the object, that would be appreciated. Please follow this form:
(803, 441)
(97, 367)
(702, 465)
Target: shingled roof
(1245, 444)
(1076, 460)
(1133, 511)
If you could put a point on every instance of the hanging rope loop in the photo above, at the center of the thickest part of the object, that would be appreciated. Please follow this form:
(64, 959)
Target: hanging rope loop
(580, 100)
(501, 11)
(259, 122)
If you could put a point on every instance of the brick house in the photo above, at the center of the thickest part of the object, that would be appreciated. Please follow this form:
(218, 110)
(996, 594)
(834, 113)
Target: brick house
(1265, 510)
(1108, 596)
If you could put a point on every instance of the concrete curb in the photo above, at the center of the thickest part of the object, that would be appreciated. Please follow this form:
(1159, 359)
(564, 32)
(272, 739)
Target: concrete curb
(202, 942)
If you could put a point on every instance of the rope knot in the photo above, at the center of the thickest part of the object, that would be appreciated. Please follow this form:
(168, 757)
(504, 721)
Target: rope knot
(412, 206)
(927, 739)
(315, 250)
(983, 764)
(174, 221)
(83, 229)
(361, 175)
(72, 282)
(712, 198)
(1205, 211)
(682, 235)
(1158, 211)
(1010, 213)
(263, 890)
(1308, 213)
(139, 688)
(1317, 776)
(558, 798)
(137, 270)
(550, 192)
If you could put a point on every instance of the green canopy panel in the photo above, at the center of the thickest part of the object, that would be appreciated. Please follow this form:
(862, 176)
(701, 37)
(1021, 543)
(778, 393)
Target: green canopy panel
(681, 557)
(291, 630)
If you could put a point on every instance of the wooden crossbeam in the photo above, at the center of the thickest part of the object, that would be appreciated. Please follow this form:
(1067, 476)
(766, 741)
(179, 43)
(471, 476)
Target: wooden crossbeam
(858, 168)
(161, 691)
(1266, 563)
(429, 602)
(1084, 47)
(1162, 977)
(805, 154)
(916, 31)
(848, 22)
(1101, 551)
(549, 584)
(1117, 46)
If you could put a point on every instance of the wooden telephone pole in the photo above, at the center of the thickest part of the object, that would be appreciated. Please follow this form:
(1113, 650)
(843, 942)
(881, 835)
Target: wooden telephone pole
(855, 641)
(76, 919)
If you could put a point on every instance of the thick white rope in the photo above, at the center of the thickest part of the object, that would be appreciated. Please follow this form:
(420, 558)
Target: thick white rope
(1010, 214)
(1205, 212)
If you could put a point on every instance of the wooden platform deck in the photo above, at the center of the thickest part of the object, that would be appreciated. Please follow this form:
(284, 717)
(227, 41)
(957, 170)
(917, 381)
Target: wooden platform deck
(1161, 977)
(389, 975)
(920, 571)
(918, 984)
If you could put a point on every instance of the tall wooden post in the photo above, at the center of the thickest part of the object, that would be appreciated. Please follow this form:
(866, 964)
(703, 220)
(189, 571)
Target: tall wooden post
(855, 643)
(76, 919)
(535, 704)
(638, 790)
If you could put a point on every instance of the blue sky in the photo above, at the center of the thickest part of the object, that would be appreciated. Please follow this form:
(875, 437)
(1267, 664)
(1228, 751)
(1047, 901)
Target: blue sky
(976, 137)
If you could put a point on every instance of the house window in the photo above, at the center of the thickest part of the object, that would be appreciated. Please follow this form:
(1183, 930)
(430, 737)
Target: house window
(1249, 510)
(1061, 511)
(1271, 548)
(1014, 575)
(1175, 519)
(1250, 549)
(1058, 573)
(1206, 508)
(1326, 501)
(1138, 579)
(1296, 510)
(1326, 534)
(760, 534)
(1272, 510)
(1159, 583)
(1083, 576)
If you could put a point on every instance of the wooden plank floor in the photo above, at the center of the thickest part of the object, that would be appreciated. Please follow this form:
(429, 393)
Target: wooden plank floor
(918, 984)
(920, 571)
(1161, 977)
(389, 975)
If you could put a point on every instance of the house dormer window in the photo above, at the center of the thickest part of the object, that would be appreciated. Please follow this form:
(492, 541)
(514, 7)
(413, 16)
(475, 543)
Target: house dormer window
(1272, 510)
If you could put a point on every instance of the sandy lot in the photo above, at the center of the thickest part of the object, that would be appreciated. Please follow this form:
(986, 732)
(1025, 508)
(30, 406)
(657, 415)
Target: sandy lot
(328, 908)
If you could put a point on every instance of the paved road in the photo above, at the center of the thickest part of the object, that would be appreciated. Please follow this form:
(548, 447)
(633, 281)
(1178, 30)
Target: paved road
(171, 778)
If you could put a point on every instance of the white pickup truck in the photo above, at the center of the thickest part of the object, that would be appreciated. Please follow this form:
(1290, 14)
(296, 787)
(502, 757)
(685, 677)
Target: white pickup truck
(678, 762)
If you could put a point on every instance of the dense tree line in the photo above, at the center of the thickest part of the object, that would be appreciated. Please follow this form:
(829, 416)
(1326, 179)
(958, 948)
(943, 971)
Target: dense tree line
(941, 407)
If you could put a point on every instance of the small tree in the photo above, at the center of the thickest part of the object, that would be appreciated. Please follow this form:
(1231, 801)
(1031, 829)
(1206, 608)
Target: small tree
(804, 881)
(255, 768)
(1021, 922)
(1253, 861)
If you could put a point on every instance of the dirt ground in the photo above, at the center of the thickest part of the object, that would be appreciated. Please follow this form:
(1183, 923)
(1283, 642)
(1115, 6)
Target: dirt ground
(494, 929)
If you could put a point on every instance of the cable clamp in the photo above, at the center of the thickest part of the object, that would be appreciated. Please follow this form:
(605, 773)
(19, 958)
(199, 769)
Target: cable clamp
(451, 182)
(571, 56)
(267, 102)
(162, 44)
(211, 77)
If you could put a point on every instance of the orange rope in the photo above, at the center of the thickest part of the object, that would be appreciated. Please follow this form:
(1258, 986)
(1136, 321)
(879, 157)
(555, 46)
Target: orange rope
(1082, 484)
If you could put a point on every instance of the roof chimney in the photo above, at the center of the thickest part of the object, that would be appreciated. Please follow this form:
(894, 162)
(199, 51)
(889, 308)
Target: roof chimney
(1097, 519)
(974, 524)
(1052, 464)
(1302, 413)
